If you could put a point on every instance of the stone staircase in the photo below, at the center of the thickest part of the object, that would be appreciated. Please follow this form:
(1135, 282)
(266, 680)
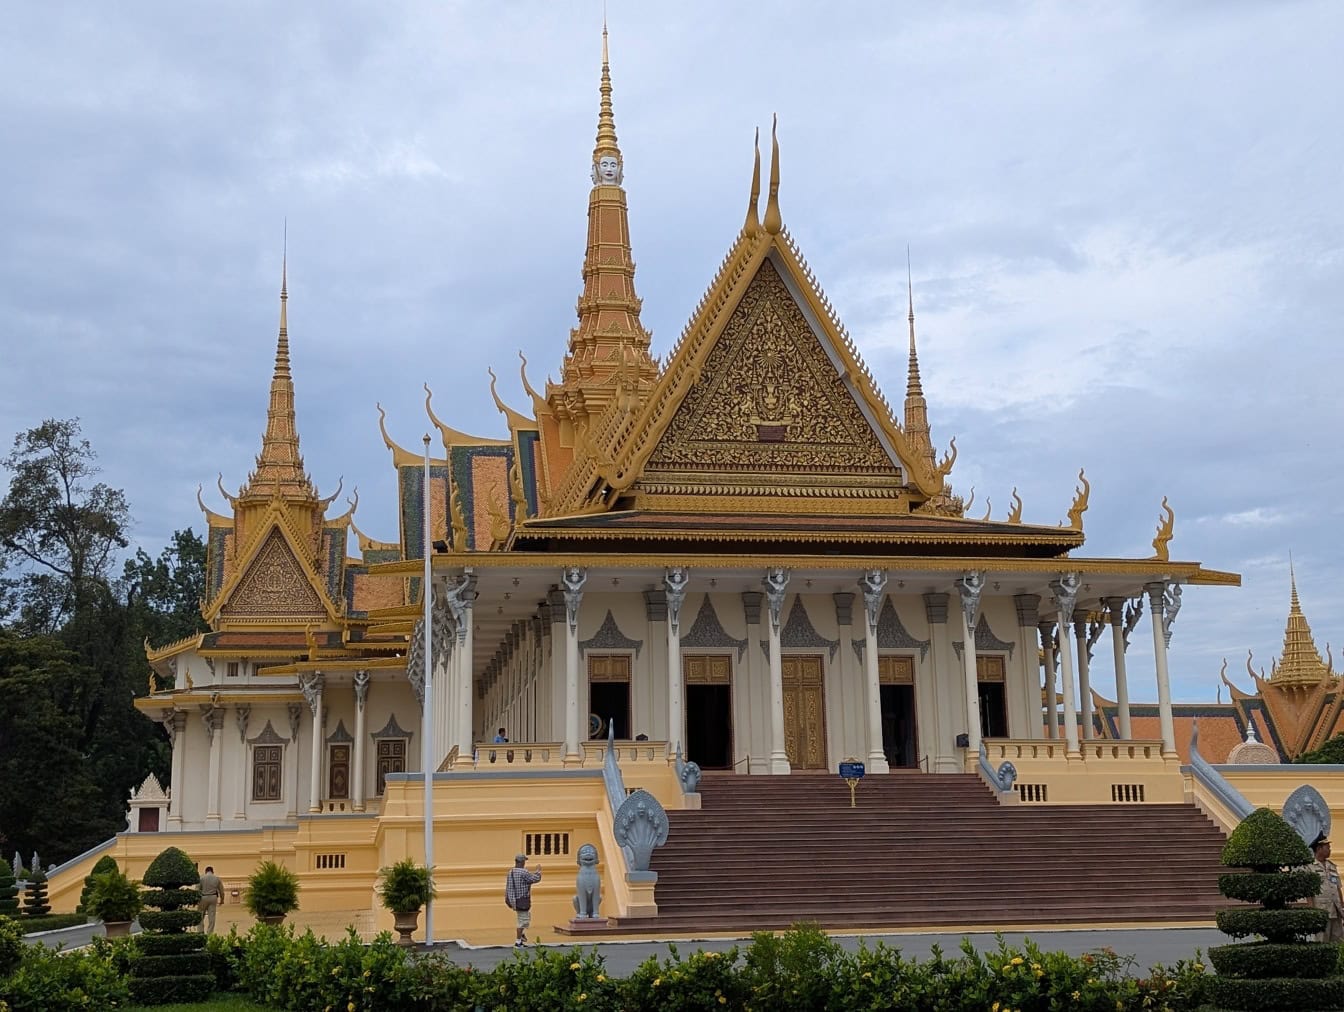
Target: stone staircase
(923, 851)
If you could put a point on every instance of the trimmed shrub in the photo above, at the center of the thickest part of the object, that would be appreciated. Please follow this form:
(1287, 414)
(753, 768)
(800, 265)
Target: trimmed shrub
(697, 981)
(35, 896)
(11, 944)
(1310, 994)
(9, 891)
(50, 922)
(1264, 842)
(51, 981)
(182, 974)
(1268, 959)
(1269, 889)
(272, 891)
(105, 863)
(226, 951)
(793, 970)
(1285, 925)
(167, 945)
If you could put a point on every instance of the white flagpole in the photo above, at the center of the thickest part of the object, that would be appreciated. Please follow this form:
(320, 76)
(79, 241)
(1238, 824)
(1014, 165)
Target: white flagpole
(427, 719)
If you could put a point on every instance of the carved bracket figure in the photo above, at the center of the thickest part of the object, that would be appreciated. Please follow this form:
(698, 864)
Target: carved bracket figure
(776, 583)
(1133, 612)
(675, 580)
(640, 825)
(874, 585)
(1171, 604)
(969, 588)
(573, 579)
(1065, 590)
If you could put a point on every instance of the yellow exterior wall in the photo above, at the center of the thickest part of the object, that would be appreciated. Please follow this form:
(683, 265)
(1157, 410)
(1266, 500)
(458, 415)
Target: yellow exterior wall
(1100, 773)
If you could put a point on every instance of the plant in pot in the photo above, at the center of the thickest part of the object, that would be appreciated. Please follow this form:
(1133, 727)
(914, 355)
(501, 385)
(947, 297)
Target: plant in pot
(115, 900)
(105, 863)
(406, 887)
(272, 892)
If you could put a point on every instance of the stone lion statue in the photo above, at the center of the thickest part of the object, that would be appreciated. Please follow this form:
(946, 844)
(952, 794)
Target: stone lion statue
(588, 895)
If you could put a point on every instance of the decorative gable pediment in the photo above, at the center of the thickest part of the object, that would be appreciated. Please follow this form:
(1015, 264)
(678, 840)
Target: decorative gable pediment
(771, 399)
(275, 585)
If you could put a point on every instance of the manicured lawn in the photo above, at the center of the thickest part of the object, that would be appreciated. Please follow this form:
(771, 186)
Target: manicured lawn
(219, 1003)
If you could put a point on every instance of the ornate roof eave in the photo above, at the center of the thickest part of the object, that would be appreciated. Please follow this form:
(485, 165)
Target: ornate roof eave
(402, 457)
(516, 420)
(212, 519)
(1186, 573)
(767, 536)
(277, 518)
(455, 437)
(367, 544)
(153, 706)
(355, 664)
(173, 649)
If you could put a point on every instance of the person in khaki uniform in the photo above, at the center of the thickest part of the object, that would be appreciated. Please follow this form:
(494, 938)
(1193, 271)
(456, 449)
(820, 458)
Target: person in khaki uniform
(211, 890)
(1328, 898)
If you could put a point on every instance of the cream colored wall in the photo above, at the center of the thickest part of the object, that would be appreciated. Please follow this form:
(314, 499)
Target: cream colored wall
(1269, 786)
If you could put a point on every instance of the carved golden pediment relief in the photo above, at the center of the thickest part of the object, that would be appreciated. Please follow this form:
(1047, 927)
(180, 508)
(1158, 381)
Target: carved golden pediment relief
(770, 399)
(274, 585)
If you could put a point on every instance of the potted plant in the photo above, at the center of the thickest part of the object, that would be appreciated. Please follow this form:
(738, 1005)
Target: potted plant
(406, 887)
(272, 892)
(115, 900)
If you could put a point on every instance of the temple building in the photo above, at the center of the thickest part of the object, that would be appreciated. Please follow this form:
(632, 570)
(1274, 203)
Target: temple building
(739, 550)
(1295, 709)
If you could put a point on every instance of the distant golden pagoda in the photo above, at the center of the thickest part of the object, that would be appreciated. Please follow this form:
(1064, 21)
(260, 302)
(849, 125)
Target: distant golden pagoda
(1300, 663)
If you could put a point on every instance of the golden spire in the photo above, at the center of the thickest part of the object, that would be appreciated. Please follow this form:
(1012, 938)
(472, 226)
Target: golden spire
(279, 467)
(753, 222)
(773, 222)
(1301, 662)
(608, 359)
(916, 408)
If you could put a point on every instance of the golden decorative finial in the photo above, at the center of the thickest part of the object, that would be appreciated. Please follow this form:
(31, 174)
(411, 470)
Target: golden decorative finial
(989, 508)
(458, 519)
(913, 387)
(969, 502)
(1080, 496)
(538, 402)
(608, 166)
(1164, 530)
(945, 465)
(153, 684)
(773, 222)
(219, 483)
(1015, 514)
(753, 222)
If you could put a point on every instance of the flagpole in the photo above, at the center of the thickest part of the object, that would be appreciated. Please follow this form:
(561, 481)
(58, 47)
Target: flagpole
(427, 717)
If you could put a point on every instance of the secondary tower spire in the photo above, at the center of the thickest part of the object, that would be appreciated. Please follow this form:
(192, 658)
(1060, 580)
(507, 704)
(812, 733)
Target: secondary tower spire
(916, 408)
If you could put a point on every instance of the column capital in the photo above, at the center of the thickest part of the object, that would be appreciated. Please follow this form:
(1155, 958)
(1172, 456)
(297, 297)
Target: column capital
(573, 579)
(675, 580)
(844, 607)
(873, 583)
(1156, 593)
(751, 606)
(935, 608)
(1115, 609)
(1028, 610)
(776, 583)
(655, 605)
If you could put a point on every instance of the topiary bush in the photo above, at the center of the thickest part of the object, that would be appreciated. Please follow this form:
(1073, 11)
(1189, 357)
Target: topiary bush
(9, 892)
(105, 863)
(1285, 971)
(173, 965)
(35, 896)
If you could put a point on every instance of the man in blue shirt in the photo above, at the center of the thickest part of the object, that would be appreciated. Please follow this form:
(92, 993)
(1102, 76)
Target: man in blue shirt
(500, 739)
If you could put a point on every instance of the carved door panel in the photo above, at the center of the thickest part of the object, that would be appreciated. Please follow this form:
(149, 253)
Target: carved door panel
(804, 712)
(391, 759)
(338, 772)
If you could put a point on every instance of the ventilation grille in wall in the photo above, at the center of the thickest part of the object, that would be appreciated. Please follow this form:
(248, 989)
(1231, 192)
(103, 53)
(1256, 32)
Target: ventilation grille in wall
(1127, 793)
(543, 844)
(1032, 792)
(328, 862)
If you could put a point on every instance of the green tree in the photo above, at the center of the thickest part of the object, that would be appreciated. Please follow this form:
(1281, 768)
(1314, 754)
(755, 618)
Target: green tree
(1332, 751)
(164, 595)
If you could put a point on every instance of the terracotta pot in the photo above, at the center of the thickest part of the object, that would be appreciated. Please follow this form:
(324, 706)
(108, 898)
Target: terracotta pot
(272, 919)
(405, 922)
(117, 929)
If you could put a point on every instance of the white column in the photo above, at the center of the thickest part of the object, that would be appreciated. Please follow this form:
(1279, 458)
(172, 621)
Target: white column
(758, 725)
(1066, 593)
(241, 714)
(1029, 721)
(461, 601)
(1115, 609)
(573, 580)
(559, 688)
(1084, 674)
(1047, 628)
(175, 723)
(312, 693)
(361, 728)
(776, 585)
(1162, 615)
(940, 678)
(675, 580)
(213, 718)
(874, 586)
(292, 757)
(969, 588)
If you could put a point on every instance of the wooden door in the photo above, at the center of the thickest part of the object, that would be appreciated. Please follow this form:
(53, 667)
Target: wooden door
(338, 772)
(391, 759)
(804, 712)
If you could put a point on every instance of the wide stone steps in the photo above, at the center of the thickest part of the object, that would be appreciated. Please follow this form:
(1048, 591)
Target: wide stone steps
(923, 851)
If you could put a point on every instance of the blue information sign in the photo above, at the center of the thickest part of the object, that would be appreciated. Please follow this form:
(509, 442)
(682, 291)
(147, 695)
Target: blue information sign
(851, 771)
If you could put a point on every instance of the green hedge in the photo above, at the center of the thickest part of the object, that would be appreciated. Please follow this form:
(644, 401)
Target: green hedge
(171, 990)
(1273, 889)
(1265, 842)
(50, 922)
(1274, 925)
(171, 869)
(172, 899)
(178, 964)
(169, 945)
(1282, 993)
(169, 920)
(11, 944)
(1269, 959)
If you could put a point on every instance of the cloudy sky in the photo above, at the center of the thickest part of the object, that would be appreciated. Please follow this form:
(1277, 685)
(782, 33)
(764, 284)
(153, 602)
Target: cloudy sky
(1126, 223)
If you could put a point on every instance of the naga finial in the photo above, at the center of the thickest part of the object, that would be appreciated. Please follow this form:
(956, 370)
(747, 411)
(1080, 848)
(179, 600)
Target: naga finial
(219, 482)
(989, 507)
(537, 400)
(945, 465)
(969, 502)
(1015, 514)
(1164, 531)
(1080, 496)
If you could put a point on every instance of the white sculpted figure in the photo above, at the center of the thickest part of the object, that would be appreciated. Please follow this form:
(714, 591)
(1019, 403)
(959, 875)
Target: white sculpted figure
(607, 171)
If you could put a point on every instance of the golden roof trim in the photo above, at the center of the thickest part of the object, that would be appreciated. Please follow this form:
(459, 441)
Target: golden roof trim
(401, 457)
(455, 437)
(177, 646)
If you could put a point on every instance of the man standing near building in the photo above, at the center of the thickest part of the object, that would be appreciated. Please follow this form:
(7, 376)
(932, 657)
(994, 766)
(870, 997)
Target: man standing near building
(211, 890)
(1328, 898)
(518, 894)
(501, 738)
